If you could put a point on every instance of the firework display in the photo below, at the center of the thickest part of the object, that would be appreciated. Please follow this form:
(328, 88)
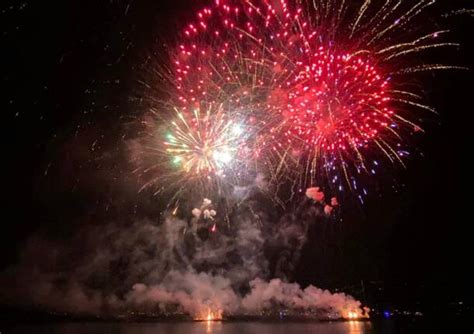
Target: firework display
(236, 165)
(320, 87)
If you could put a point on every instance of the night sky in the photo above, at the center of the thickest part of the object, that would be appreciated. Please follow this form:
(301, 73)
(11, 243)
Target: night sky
(71, 95)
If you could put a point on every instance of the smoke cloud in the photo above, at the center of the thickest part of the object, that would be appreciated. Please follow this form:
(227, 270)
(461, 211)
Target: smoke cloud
(228, 262)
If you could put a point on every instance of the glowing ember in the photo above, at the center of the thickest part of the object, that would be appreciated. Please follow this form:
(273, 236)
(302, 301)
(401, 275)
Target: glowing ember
(354, 315)
(210, 315)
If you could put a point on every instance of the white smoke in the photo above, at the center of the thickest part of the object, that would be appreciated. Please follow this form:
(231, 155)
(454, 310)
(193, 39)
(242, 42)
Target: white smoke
(195, 293)
(290, 295)
(177, 266)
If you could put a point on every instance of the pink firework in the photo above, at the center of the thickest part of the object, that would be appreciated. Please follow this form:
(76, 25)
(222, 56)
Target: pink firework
(338, 102)
(322, 82)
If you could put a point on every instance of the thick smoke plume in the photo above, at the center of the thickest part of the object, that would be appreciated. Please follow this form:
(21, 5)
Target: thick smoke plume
(232, 262)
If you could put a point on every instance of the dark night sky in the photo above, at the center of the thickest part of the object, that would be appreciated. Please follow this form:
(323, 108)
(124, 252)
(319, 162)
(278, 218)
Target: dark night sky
(70, 76)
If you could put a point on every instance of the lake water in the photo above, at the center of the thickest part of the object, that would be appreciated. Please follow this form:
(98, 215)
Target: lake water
(351, 327)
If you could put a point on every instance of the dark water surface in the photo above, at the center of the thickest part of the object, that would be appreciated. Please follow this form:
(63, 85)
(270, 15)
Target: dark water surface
(352, 327)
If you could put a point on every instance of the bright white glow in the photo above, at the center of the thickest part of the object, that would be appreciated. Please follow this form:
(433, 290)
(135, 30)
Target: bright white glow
(237, 129)
(223, 156)
(352, 315)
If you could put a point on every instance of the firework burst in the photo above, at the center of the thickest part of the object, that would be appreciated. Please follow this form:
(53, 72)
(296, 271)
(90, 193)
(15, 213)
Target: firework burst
(195, 152)
(206, 144)
(323, 81)
(320, 88)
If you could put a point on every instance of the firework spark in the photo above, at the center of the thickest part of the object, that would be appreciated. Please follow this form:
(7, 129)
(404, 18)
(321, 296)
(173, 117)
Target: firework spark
(320, 86)
(204, 145)
(195, 152)
(325, 85)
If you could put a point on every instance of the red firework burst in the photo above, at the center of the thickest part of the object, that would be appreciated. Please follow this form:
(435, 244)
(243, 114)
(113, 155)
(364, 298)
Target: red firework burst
(315, 80)
(336, 102)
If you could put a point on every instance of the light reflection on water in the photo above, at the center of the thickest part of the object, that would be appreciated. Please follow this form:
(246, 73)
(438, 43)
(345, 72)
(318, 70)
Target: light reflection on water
(204, 327)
